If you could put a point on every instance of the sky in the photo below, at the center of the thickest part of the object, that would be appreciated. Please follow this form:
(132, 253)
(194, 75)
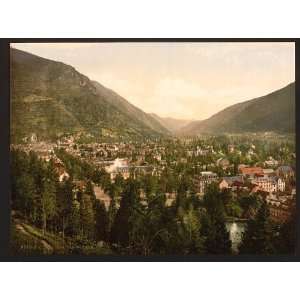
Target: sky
(180, 80)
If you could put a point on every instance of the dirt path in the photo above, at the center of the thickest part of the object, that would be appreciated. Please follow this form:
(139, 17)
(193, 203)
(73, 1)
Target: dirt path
(46, 245)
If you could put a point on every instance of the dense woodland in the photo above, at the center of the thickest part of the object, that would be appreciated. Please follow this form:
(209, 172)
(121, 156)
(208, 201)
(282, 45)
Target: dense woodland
(67, 220)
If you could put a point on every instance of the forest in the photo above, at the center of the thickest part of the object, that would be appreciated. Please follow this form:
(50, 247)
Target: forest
(52, 217)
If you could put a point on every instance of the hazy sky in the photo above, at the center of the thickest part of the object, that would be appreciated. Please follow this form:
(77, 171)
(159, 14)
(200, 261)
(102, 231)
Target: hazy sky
(182, 80)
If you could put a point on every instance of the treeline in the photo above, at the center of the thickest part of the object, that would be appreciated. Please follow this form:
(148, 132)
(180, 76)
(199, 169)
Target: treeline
(138, 221)
(58, 207)
(262, 236)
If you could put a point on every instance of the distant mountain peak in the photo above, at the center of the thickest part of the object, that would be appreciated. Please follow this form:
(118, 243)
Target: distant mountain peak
(50, 98)
(272, 112)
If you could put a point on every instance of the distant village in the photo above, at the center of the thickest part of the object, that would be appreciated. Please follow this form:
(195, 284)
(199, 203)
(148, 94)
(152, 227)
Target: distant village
(269, 178)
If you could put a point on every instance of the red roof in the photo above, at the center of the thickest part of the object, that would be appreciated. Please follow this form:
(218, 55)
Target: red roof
(251, 170)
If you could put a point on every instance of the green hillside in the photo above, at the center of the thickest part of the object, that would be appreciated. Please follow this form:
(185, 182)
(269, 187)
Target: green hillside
(26, 239)
(273, 112)
(50, 98)
(129, 109)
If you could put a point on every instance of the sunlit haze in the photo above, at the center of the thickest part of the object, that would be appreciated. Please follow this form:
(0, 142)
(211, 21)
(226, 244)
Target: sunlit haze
(180, 80)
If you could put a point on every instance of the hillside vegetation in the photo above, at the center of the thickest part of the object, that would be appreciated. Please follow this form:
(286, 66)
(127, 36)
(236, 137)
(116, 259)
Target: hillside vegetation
(273, 112)
(50, 99)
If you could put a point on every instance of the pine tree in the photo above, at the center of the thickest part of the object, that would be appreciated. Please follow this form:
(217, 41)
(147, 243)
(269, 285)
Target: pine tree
(90, 191)
(217, 239)
(258, 237)
(181, 197)
(87, 217)
(102, 222)
(123, 222)
(191, 225)
(26, 196)
(48, 202)
(65, 205)
(112, 212)
(287, 236)
(74, 221)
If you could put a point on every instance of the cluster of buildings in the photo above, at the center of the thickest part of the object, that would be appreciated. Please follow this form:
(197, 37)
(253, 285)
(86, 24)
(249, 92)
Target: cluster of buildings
(201, 151)
(149, 157)
(45, 151)
(281, 207)
(256, 178)
(272, 184)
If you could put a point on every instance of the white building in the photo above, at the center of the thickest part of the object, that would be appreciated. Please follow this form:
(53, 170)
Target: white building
(118, 166)
(270, 184)
(205, 179)
(271, 162)
(63, 176)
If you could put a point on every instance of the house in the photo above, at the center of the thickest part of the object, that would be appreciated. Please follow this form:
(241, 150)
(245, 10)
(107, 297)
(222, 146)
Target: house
(123, 171)
(200, 151)
(61, 171)
(223, 163)
(189, 153)
(63, 176)
(230, 148)
(183, 160)
(118, 166)
(232, 181)
(250, 152)
(271, 162)
(265, 184)
(205, 179)
(143, 170)
(281, 208)
(101, 153)
(251, 172)
(79, 185)
(44, 155)
(280, 184)
(241, 166)
(157, 157)
(286, 172)
(33, 138)
(279, 213)
(269, 184)
(170, 198)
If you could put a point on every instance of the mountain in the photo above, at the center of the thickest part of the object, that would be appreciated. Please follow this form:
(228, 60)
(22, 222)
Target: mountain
(50, 98)
(129, 109)
(173, 125)
(273, 112)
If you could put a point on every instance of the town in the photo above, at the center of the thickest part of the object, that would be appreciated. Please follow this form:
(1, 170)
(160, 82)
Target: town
(245, 165)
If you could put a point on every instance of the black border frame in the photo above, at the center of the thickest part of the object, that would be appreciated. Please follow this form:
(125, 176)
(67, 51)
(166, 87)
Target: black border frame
(5, 144)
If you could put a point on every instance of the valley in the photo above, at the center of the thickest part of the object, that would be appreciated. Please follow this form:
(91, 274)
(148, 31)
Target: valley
(93, 174)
